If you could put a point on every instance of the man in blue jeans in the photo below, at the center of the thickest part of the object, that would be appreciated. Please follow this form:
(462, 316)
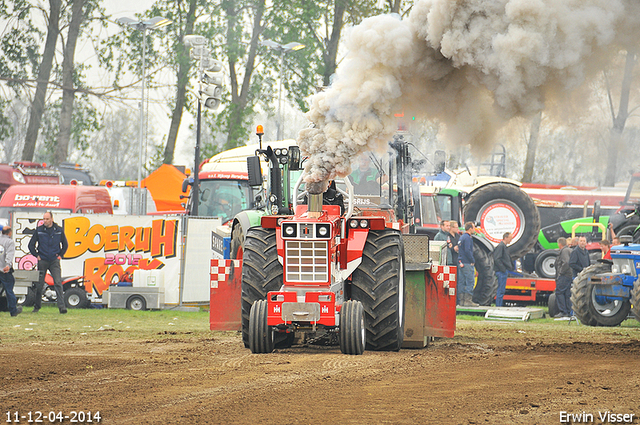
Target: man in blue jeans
(502, 264)
(48, 244)
(466, 270)
(7, 251)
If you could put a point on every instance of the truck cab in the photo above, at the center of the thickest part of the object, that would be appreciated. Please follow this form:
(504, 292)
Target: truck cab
(19, 173)
(62, 198)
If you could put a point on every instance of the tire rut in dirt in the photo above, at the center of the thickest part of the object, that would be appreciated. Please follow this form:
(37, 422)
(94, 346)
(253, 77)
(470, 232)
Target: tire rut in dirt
(261, 272)
(508, 193)
(487, 285)
(378, 283)
(581, 293)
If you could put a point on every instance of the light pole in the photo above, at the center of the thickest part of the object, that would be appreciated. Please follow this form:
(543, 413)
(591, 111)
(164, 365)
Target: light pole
(153, 23)
(209, 94)
(289, 47)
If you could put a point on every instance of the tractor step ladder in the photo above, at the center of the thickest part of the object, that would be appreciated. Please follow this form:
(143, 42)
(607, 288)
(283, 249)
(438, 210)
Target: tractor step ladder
(513, 314)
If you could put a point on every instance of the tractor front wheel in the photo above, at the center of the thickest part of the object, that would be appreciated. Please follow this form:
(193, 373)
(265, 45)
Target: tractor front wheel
(260, 333)
(378, 283)
(352, 329)
(261, 272)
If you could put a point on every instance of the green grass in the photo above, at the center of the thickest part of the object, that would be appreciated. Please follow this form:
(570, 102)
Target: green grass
(100, 324)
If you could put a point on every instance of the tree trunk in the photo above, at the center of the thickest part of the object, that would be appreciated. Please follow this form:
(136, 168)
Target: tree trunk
(68, 91)
(619, 121)
(395, 6)
(532, 146)
(184, 65)
(37, 107)
(239, 99)
(331, 53)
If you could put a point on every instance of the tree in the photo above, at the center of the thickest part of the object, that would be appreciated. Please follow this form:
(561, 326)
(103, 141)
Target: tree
(619, 119)
(68, 92)
(44, 72)
(527, 175)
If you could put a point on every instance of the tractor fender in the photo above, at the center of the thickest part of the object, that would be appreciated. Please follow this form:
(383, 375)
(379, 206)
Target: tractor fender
(246, 220)
(487, 180)
(484, 242)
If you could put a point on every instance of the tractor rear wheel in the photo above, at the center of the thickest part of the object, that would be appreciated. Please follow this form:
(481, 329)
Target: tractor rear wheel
(509, 203)
(487, 285)
(635, 299)
(378, 283)
(261, 272)
(260, 333)
(353, 336)
(586, 304)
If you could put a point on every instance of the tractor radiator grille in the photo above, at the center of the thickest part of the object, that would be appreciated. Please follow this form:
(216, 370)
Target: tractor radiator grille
(306, 261)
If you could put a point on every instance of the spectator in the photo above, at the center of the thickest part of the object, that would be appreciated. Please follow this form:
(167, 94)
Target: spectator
(572, 242)
(444, 236)
(615, 241)
(563, 280)
(48, 244)
(454, 231)
(579, 259)
(466, 262)
(605, 247)
(7, 251)
(502, 264)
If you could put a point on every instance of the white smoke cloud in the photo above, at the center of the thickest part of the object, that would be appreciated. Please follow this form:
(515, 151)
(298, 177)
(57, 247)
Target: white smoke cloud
(473, 65)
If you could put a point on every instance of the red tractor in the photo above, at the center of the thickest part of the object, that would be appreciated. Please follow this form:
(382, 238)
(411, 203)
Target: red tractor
(329, 272)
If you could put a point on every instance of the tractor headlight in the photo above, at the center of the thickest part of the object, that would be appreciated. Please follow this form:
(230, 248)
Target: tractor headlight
(289, 230)
(273, 198)
(626, 269)
(274, 209)
(353, 224)
(17, 176)
(364, 223)
(615, 269)
(277, 152)
(323, 230)
(284, 151)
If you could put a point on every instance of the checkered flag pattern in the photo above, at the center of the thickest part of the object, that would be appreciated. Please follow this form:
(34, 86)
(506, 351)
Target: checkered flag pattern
(220, 271)
(444, 274)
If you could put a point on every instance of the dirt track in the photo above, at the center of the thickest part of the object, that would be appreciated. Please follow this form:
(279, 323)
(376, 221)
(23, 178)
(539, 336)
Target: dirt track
(494, 374)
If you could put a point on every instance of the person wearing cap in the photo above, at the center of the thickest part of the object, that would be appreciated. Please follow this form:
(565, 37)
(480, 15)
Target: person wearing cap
(7, 252)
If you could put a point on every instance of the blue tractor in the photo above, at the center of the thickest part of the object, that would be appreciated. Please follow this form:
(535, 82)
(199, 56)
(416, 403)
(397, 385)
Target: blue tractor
(604, 293)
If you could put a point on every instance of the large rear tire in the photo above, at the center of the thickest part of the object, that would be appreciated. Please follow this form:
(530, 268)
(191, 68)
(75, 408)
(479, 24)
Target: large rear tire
(261, 272)
(260, 333)
(508, 199)
(378, 283)
(585, 302)
(486, 285)
(353, 335)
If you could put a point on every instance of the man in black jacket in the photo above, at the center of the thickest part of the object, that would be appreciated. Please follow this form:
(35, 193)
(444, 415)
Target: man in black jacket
(502, 263)
(48, 244)
(579, 259)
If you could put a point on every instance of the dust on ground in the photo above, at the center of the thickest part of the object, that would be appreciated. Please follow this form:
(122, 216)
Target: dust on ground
(489, 373)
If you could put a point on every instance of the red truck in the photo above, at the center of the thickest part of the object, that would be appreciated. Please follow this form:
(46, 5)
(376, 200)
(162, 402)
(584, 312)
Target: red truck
(22, 172)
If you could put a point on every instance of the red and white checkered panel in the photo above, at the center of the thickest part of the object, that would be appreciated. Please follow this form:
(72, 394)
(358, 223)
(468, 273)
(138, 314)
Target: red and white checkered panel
(220, 271)
(444, 274)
